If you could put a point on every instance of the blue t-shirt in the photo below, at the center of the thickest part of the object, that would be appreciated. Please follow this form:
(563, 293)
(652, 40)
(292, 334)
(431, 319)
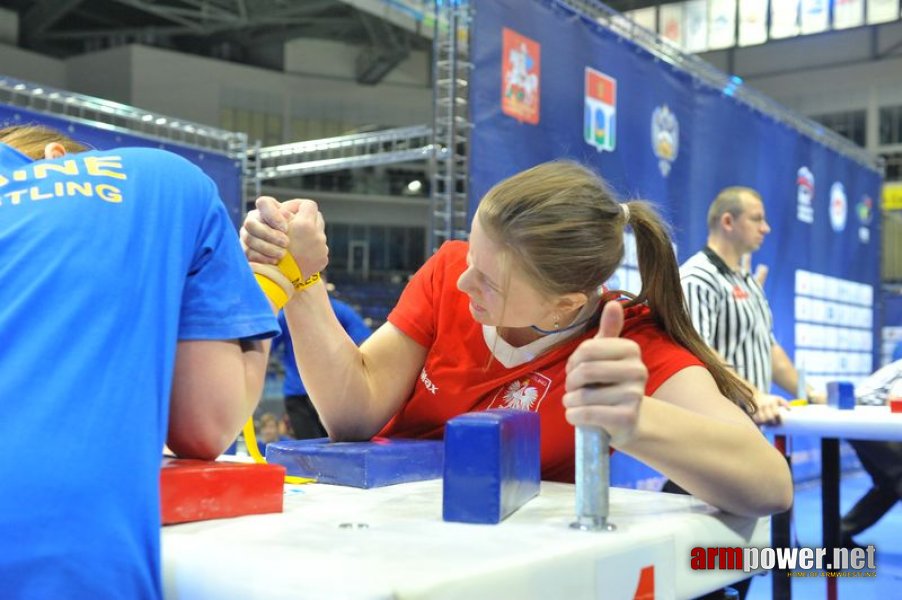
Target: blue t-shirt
(350, 320)
(109, 258)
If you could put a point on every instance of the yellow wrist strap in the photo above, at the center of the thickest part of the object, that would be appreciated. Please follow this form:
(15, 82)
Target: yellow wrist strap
(290, 269)
(273, 291)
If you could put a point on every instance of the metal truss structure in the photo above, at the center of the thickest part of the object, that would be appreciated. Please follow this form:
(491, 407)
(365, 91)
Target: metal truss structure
(388, 146)
(451, 122)
(121, 118)
(445, 144)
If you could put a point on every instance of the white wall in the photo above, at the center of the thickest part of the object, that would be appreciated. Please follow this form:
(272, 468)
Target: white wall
(362, 209)
(196, 88)
(337, 60)
(30, 66)
(105, 74)
(831, 72)
(9, 27)
(833, 89)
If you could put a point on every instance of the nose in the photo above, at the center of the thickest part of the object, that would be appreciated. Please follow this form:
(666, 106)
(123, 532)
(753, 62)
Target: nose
(464, 282)
(765, 227)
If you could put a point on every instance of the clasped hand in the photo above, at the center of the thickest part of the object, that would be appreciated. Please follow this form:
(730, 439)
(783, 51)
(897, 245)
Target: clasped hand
(296, 226)
(606, 380)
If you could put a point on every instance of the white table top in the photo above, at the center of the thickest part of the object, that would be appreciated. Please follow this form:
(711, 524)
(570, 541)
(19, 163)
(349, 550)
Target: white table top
(407, 551)
(861, 423)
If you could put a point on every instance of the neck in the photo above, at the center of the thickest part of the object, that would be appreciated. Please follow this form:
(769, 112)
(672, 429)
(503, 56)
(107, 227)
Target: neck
(518, 336)
(730, 255)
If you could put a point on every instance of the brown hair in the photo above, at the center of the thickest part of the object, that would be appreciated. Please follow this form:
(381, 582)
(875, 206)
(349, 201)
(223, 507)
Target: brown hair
(729, 200)
(30, 140)
(562, 225)
(268, 417)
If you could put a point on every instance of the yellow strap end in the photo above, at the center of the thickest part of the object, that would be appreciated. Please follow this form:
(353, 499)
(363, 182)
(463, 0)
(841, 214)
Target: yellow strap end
(295, 480)
(273, 291)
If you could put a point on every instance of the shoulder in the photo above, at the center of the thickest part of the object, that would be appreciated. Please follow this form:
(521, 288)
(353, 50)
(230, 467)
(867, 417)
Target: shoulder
(697, 263)
(152, 157)
(450, 259)
(661, 354)
(162, 167)
(638, 322)
(454, 251)
(700, 271)
(640, 326)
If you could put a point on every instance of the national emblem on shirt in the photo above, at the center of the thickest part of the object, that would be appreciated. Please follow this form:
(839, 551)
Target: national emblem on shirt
(525, 393)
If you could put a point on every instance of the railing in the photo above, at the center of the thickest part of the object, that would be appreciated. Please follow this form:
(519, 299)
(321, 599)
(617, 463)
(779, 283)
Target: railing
(114, 116)
(343, 152)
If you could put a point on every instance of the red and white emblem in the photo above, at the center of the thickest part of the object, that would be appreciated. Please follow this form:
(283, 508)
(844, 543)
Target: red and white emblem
(525, 393)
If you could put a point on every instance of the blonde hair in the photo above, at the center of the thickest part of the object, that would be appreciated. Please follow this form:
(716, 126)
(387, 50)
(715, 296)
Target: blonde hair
(561, 224)
(31, 140)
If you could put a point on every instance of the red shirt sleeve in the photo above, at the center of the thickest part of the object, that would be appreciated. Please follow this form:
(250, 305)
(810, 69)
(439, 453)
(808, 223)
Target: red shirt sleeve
(419, 306)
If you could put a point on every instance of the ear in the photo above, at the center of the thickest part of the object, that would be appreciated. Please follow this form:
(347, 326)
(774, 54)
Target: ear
(726, 221)
(570, 302)
(54, 150)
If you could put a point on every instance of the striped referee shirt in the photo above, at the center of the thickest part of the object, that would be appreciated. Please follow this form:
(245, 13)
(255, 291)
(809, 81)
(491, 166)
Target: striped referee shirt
(730, 312)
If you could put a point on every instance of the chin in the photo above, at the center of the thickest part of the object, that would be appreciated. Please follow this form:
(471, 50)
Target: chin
(482, 317)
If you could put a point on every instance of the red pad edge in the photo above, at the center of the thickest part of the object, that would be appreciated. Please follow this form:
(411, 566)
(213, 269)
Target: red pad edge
(895, 405)
(197, 490)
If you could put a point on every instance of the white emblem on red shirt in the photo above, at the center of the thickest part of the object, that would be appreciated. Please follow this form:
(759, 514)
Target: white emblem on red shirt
(525, 393)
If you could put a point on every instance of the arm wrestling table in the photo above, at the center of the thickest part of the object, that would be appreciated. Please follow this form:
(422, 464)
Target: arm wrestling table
(829, 424)
(391, 542)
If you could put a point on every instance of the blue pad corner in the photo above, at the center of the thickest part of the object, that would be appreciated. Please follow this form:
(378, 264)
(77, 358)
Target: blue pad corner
(376, 463)
(841, 395)
(492, 465)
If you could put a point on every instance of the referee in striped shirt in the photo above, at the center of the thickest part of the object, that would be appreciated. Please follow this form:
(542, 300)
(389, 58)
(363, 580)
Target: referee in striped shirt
(727, 303)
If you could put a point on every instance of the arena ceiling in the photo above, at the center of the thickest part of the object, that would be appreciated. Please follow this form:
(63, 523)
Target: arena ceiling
(247, 31)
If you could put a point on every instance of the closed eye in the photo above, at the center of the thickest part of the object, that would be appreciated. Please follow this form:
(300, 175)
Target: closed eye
(488, 282)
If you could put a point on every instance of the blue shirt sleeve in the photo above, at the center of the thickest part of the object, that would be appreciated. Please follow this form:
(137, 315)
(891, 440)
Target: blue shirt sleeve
(222, 299)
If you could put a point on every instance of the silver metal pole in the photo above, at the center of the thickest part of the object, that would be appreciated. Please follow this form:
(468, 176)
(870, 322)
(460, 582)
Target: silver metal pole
(593, 480)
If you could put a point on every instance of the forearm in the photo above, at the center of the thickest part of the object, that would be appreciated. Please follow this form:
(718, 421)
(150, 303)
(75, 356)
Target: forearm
(332, 368)
(785, 373)
(255, 357)
(725, 463)
(216, 387)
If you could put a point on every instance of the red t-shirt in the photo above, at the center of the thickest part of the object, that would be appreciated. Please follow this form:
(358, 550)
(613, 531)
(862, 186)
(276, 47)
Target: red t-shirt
(460, 374)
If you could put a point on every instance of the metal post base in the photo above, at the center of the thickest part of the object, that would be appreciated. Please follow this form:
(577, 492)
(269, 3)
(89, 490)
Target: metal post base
(593, 524)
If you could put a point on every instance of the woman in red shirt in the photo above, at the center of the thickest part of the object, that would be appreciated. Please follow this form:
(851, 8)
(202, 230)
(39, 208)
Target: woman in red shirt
(517, 317)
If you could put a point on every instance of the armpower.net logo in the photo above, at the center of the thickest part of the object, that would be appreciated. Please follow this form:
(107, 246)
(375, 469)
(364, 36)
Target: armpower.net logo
(796, 562)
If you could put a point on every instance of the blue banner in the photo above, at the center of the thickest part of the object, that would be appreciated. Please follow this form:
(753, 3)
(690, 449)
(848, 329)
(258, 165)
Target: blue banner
(548, 83)
(892, 327)
(225, 171)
